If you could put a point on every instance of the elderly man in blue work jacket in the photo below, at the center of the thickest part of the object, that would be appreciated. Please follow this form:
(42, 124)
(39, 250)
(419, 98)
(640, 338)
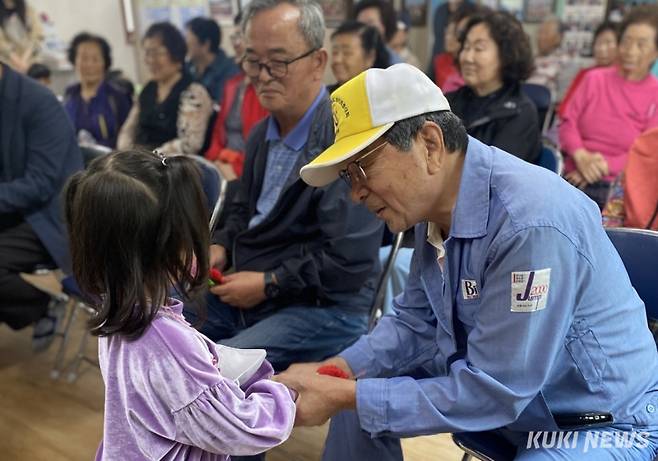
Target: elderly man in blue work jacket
(518, 315)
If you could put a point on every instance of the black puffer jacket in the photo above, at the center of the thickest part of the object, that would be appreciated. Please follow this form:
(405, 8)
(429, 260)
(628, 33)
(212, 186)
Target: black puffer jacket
(506, 118)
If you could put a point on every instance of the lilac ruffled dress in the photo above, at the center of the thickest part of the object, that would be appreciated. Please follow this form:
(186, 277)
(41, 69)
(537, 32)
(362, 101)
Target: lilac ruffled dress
(166, 399)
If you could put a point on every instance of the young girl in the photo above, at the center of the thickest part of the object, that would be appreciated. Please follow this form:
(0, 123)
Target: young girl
(138, 226)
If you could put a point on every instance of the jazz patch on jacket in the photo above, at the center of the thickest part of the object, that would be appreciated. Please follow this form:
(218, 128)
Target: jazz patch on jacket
(470, 289)
(530, 290)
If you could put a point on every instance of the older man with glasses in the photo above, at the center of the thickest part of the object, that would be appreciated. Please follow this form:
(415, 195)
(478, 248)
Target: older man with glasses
(518, 314)
(304, 261)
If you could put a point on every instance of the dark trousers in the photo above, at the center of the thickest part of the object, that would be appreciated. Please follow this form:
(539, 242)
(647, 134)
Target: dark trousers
(21, 251)
(598, 192)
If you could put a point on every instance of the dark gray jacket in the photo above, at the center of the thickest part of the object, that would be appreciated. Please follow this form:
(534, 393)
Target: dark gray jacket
(39, 152)
(506, 119)
(322, 247)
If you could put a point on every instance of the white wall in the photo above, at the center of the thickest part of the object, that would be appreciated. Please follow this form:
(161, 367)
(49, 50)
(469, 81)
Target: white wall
(101, 17)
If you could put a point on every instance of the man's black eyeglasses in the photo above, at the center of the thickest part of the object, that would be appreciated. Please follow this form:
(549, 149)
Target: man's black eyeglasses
(276, 68)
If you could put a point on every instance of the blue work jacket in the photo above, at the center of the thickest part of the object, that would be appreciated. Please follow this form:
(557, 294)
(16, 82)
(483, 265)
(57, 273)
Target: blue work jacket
(532, 315)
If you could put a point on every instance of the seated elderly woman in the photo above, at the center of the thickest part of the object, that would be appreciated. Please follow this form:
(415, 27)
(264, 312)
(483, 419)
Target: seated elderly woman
(240, 111)
(172, 111)
(604, 50)
(356, 47)
(495, 57)
(446, 73)
(611, 107)
(96, 106)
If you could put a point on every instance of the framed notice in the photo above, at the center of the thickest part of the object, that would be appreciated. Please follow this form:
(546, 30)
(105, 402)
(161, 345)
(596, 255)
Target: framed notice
(335, 11)
(537, 10)
(417, 10)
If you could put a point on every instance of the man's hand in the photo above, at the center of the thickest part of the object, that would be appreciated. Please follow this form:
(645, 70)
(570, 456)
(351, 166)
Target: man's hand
(242, 289)
(320, 397)
(217, 257)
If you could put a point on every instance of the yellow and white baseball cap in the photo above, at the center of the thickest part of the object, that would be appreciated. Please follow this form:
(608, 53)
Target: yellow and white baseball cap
(365, 107)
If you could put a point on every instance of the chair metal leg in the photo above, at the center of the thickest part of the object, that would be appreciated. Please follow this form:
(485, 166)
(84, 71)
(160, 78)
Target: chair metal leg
(80, 356)
(467, 457)
(58, 365)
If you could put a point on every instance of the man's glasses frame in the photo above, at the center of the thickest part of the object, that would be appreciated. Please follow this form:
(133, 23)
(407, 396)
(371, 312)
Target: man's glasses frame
(275, 68)
(354, 174)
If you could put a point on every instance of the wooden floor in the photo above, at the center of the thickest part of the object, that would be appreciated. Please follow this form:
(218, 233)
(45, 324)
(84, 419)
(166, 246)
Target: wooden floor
(46, 420)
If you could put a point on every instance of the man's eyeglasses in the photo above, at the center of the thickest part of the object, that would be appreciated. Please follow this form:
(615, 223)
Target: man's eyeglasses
(275, 68)
(354, 174)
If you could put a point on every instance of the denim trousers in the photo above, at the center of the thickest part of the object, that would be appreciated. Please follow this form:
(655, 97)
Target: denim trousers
(290, 334)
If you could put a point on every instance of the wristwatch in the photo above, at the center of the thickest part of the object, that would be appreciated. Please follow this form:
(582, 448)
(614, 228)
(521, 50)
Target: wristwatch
(272, 290)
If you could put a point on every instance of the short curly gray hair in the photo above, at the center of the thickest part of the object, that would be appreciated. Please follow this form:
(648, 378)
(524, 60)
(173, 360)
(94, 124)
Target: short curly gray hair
(311, 21)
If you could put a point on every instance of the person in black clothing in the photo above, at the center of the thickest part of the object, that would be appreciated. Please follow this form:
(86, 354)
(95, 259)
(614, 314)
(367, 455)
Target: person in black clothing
(494, 59)
(304, 260)
(38, 152)
(172, 111)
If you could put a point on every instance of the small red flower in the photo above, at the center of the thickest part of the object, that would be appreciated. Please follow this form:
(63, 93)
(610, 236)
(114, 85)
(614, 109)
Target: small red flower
(332, 370)
(216, 275)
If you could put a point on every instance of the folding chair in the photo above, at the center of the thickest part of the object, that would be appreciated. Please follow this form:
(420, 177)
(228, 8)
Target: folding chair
(638, 249)
(551, 158)
(376, 309)
(543, 100)
(485, 446)
(91, 152)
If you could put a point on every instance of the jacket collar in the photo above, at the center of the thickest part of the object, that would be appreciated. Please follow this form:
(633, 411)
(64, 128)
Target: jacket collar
(299, 135)
(471, 214)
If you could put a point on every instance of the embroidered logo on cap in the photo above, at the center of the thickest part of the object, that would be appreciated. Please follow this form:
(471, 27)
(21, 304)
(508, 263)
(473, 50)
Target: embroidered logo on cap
(530, 290)
(470, 289)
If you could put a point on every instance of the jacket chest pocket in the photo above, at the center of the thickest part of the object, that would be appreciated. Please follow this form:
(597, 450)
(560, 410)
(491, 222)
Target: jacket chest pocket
(467, 310)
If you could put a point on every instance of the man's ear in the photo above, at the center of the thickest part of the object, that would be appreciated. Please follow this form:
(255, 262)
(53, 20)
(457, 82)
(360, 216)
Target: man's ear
(432, 136)
(320, 59)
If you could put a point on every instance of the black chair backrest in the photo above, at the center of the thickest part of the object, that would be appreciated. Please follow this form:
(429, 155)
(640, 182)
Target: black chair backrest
(214, 188)
(638, 249)
(541, 97)
(91, 152)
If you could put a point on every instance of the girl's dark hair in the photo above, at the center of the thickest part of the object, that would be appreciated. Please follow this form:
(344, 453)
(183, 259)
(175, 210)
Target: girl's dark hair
(171, 39)
(371, 41)
(138, 228)
(644, 14)
(514, 50)
(386, 12)
(86, 37)
(19, 9)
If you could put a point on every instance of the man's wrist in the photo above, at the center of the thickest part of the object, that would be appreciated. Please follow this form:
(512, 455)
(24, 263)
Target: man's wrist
(345, 396)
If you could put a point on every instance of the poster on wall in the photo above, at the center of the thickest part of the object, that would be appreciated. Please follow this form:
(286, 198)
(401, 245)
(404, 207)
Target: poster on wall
(579, 20)
(537, 10)
(223, 11)
(178, 12)
(417, 10)
(335, 11)
(514, 7)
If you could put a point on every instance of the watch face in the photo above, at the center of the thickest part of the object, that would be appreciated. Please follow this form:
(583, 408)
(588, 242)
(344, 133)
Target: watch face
(271, 290)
